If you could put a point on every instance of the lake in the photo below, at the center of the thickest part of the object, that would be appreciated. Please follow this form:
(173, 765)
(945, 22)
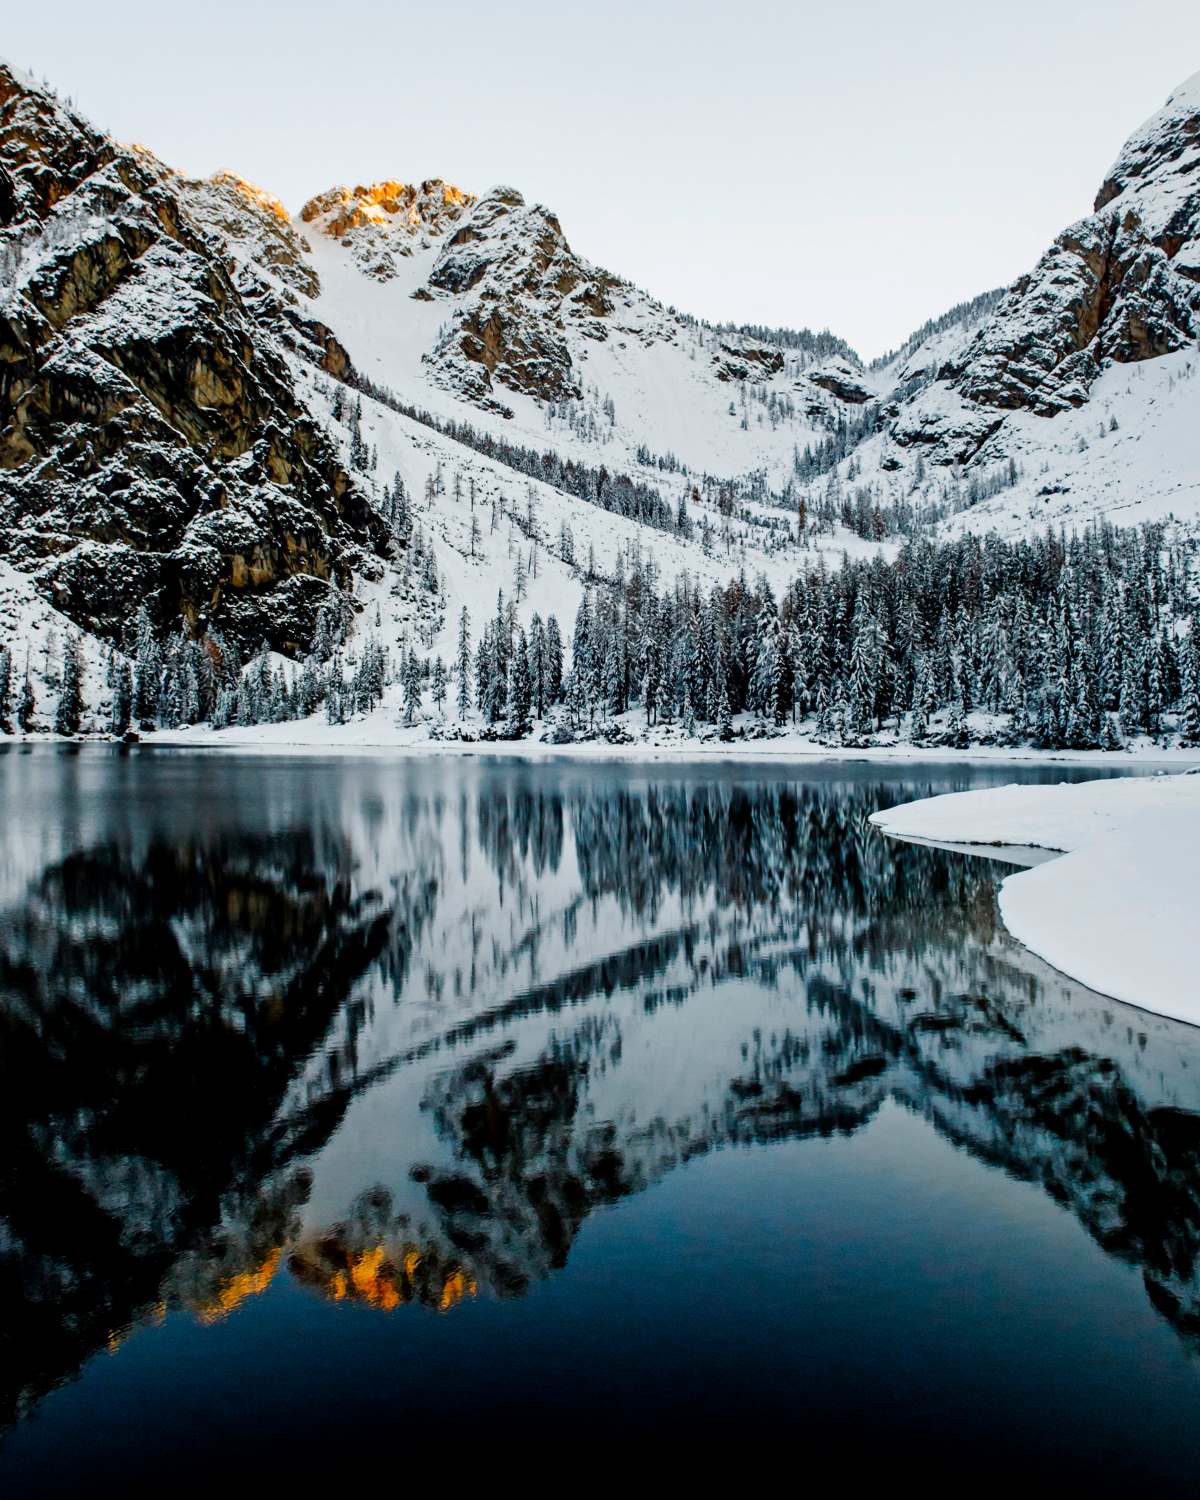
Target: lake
(349, 1105)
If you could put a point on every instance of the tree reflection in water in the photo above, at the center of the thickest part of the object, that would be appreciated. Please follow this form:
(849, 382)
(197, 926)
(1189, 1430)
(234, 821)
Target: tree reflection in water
(194, 1025)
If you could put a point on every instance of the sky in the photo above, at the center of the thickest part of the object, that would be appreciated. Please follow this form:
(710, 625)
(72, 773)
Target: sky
(859, 167)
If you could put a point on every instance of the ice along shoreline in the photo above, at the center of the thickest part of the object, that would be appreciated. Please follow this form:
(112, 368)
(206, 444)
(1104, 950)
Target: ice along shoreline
(1119, 909)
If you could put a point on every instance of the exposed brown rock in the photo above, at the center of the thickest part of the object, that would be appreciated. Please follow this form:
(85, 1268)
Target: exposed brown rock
(152, 445)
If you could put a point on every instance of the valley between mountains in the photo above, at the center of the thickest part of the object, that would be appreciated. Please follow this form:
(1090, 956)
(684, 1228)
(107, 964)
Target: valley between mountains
(405, 467)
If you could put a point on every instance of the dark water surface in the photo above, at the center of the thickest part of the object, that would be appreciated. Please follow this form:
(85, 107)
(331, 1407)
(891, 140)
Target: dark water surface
(357, 1111)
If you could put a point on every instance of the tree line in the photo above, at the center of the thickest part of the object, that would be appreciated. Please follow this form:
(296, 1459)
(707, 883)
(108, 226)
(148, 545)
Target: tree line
(1063, 642)
(1076, 642)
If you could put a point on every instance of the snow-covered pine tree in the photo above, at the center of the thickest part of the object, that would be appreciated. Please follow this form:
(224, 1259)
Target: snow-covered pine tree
(439, 684)
(122, 698)
(1189, 672)
(462, 663)
(412, 687)
(554, 661)
(5, 689)
(26, 702)
(70, 693)
(147, 678)
(520, 694)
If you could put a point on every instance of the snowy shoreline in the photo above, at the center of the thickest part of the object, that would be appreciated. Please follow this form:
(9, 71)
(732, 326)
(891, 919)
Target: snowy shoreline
(1117, 910)
(377, 739)
(379, 734)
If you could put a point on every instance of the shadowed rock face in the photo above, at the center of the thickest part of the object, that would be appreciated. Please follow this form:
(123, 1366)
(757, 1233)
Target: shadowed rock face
(1122, 285)
(153, 446)
(149, 1043)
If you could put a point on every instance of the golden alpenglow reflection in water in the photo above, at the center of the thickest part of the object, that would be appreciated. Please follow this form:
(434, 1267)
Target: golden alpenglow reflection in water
(233, 1291)
(384, 1276)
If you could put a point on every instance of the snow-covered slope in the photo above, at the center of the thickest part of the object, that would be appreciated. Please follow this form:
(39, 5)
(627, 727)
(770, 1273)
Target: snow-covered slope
(208, 403)
(1104, 327)
(501, 319)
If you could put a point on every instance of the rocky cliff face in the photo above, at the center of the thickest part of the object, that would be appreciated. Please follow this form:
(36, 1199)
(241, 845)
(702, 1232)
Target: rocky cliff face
(517, 288)
(1121, 285)
(253, 226)
(153, 446)
(385, 222)
(523, 305)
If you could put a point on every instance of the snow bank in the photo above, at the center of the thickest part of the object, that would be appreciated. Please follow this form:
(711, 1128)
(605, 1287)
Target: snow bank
(1119, 911)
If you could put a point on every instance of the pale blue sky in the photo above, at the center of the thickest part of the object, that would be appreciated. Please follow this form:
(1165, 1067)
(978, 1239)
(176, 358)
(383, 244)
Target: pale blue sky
(860, 166)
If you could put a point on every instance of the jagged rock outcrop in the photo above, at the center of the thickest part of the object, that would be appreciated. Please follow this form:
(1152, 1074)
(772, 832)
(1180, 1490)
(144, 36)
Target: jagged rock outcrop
(1119, 286)
(255, 228)
(153, 445)
(268, 259)
(384, 222)
(524, 308)
(841, 379)
(739, 359)
(520, 313)
(518, 287)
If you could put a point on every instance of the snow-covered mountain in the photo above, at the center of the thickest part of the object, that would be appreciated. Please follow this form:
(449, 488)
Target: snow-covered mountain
(154, 447)
(1081, 373)
(210, 407)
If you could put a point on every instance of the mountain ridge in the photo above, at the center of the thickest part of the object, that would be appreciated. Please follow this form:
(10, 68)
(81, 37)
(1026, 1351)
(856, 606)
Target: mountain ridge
(244, 419)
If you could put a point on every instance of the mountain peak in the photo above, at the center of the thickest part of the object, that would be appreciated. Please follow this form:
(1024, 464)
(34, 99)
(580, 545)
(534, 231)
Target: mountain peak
(1188, 92)
(381, 220)
(1160, 162)
(258, 197)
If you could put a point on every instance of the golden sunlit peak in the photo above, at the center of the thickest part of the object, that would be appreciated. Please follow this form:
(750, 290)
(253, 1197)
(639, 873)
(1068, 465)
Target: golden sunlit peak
(386, 203)
(256, 195)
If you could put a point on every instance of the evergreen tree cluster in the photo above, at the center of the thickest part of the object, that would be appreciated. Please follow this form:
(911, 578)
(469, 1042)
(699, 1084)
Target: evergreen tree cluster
(974, 310)
(596, 485)
(512, 676)
(813, 345)
(1064, 642)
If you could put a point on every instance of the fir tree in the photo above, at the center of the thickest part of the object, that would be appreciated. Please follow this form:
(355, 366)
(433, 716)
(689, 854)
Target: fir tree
(724, 715)
(26, 702)
(122, 699)
(1189, 716)
(554, 661)
(5, 689)
(519, 687)
(462, 663)
(70, 693)
(412, 687)
(147, 677)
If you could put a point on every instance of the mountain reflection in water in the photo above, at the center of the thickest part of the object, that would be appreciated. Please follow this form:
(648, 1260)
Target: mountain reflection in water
(529, 995)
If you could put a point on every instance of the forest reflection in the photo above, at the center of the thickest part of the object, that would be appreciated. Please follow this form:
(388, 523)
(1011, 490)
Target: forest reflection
(190, 1021)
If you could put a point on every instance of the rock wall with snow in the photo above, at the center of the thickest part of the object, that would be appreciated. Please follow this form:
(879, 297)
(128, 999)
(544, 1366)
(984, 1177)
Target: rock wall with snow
(153, 447)
(170, 348)
(1119, 286)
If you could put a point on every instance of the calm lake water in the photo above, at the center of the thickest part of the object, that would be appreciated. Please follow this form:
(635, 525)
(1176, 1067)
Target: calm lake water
(360, 1110)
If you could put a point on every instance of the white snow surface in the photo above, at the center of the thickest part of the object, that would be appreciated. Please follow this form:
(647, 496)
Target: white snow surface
(1119, 910)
